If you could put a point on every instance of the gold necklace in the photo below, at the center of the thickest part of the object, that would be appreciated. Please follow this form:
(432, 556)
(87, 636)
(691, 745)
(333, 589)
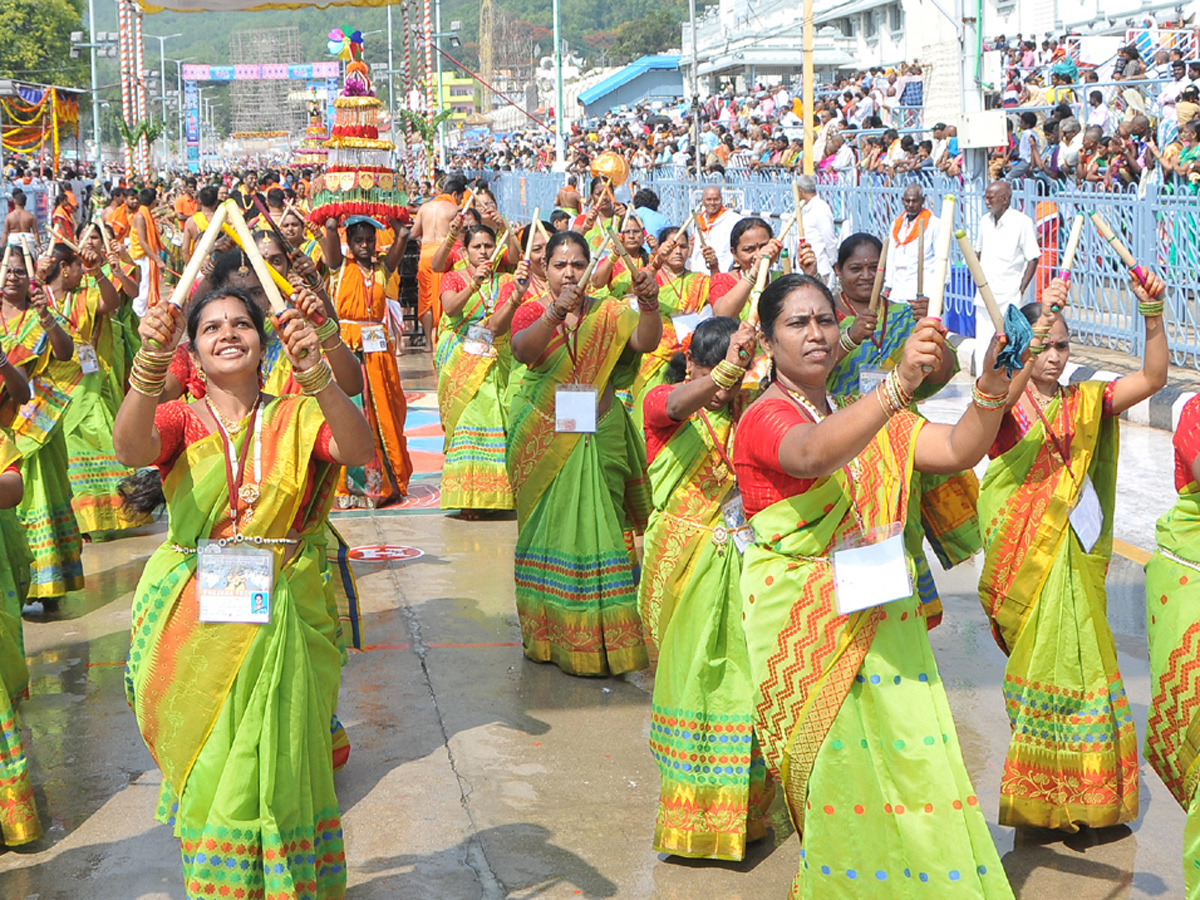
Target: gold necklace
(1042, 401)
(231, 427)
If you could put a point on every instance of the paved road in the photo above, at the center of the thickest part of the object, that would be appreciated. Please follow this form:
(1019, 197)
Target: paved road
(477, 774)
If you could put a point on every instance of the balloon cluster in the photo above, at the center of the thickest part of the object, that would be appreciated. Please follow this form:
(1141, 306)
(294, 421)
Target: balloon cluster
(345, 44)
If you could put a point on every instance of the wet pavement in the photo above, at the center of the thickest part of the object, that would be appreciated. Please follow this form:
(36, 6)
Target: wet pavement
(478, 774)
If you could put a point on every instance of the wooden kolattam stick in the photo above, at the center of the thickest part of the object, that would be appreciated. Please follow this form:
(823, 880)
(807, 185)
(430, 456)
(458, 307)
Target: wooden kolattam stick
(880, 274)
(587, 273)
(1068, 258)
(700, 231)
(204, 247)
(920, 257)
(501, 248)
(941, 261)
(4, 264)
(537, 218)
(261, 267)
(981, 282)
(760, 284)
(1118, 245)
(238, 238)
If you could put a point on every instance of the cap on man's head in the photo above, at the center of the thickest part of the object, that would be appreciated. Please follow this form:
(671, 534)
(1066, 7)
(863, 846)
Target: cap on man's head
(940, 126)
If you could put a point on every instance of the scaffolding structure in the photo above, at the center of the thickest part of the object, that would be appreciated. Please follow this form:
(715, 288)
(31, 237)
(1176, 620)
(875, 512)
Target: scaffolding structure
(265, 105)
(510, 63)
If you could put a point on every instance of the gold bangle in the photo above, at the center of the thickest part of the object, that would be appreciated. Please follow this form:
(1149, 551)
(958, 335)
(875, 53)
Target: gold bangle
(314, 379)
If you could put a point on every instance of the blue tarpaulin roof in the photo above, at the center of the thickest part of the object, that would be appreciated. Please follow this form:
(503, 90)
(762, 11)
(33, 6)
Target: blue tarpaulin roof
(626, 75)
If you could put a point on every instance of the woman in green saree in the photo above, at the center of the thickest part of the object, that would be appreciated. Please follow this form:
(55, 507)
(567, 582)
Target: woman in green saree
(248, 771)
(92, 468)
(473, 359)
(578, 469)
(1046, 506)
(33, 337)
(19, 823)
(1173, 627)
(682, 299)
(849, 705)
(714, 795)
(941, 507)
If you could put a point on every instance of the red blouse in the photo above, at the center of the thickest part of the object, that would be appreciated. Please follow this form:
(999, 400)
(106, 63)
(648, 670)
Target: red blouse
(1016, 424)
(1187, 443)
(760, 477)
(660, 427)
(527, 313)
(720, 284)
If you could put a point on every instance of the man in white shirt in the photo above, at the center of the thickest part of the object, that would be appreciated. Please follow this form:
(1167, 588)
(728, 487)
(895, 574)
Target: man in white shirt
(1008, 254)
(1072, 144)
(904, 257)
(819, 229)
(717, 224)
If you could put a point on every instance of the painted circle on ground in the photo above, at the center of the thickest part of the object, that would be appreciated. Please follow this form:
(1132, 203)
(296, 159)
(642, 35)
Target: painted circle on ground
(384, 553)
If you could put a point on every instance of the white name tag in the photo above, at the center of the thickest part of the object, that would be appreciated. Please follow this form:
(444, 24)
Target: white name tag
(233, 584)
(686, 324)
(871, 575)
(479, 341)
(575, 407)
(88, 361)
(374, 340)
(1087, 518)
(734, 514)
(869, 379)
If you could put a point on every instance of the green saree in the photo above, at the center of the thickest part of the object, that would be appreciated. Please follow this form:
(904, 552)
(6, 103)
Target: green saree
(714, 795)
(941, 508)
(1073, 756)
(683, 295)
(19, 823)
(576, 495)
(1173, 629)
(472, 379)
(45, 510)
(238, 716)
(851, 710)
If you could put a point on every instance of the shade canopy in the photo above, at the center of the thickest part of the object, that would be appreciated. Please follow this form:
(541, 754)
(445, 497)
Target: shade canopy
(237, 5)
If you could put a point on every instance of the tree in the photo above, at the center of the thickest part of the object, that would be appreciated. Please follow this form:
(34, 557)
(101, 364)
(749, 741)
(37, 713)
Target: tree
(35, 40)
(645, 37)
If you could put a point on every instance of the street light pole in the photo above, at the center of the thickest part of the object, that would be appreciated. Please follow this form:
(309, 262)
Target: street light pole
(179, 111)
(95, 87)
(162, 82)
(559, 148)
(391, 81)
(437, 27)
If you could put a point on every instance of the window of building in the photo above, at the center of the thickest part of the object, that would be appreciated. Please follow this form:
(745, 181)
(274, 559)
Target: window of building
(846, 26)
(870, 24)
(896, 17)
(465, 91)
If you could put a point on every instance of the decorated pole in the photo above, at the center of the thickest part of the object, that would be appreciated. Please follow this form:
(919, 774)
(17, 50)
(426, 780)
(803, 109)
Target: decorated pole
(143, 114)
(123, 39)
(409, 169)
(430, 100)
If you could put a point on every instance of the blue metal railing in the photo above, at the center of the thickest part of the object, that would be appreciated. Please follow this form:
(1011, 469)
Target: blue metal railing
(1160, 224)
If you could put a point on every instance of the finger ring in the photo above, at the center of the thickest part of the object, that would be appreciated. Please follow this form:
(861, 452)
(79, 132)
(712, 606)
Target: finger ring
(743, 354)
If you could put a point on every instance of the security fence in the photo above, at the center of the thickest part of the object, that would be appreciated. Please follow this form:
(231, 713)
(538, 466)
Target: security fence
(1160, 225)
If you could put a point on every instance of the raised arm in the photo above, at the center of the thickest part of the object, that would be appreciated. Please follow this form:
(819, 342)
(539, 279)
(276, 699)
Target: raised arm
(395, 252)
(331, 245)
(692, 396)
(649, 329)
(136, 441)
(1130, 390)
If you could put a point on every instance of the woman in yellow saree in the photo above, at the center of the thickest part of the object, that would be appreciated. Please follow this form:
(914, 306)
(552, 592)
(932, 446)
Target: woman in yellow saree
(714, 796)
(1046, 508)
(472, 361)
(850, 708)
(248, 769)
(578, 469)
(1173, 628)
(19, 823)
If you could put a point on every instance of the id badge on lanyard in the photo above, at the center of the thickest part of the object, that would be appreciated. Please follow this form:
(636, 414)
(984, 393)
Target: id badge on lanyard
(869, 379)
(233, 584)
(1087, 518)
(374, 340)
(686, 324)
(871, 570)
(734, 515)
(88, 361)
(479, 341)
(575, 409)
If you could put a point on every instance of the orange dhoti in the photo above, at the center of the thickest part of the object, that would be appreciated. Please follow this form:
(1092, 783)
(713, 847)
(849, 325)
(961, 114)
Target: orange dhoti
(429, 284)
(362, 308)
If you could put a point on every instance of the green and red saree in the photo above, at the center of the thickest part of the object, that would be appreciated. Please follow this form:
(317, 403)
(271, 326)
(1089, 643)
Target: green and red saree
(1073, 756)
(472, 379)
(1173, 629)
(851, 711)
(678, 296)
(238, 716)
(715, 794)
(575, 497)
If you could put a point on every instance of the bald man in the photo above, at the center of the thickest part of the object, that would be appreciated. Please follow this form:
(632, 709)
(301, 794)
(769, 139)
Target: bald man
(904, 247)
(716, 223)
(1008, 254)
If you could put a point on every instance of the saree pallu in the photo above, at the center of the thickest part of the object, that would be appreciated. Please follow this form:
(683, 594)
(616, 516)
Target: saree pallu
(715, 793)
(470, 393)
(384, 480)
(1173, 629)
(237, 716)
(941, 507)
(1073, 756)
(19, 823)
(851, 711)
(93, 472)
(575, 497)
(45, 511)
(686, 294)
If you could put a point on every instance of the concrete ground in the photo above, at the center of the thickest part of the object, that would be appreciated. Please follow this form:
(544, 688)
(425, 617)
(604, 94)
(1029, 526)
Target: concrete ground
(478, 774)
